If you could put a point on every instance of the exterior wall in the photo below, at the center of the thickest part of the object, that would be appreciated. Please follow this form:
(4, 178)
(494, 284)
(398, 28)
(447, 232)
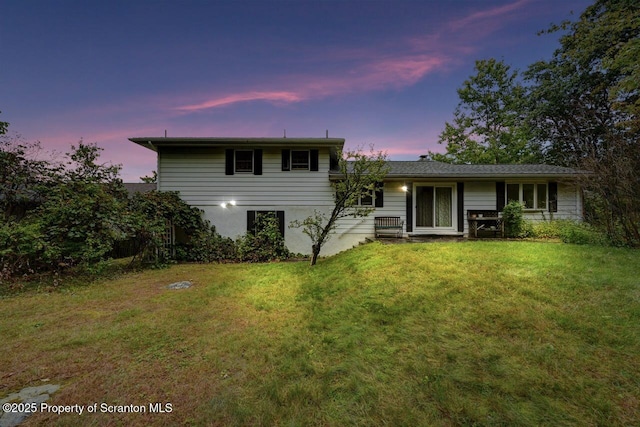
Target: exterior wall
(481, 195)
(351, 231)
(199, 175)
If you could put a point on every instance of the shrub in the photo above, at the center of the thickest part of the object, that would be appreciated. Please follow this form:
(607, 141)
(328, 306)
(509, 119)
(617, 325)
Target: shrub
(266, 244)
(568, 231)
(206, 246)
(514, 223)
(22, 247)
(196, 240)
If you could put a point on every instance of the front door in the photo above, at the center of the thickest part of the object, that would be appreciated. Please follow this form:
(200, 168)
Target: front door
(434, 207)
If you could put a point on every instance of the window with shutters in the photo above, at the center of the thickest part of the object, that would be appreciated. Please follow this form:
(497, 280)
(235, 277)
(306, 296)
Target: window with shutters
(300, 160)
(373, 197)
(531, 195)
(244, 161)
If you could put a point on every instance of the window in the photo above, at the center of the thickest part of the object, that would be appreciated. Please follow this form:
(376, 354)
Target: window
(373, 198)
(244, 160)
(300, 160)
(366, 199)
(532, 196)
(253, 215)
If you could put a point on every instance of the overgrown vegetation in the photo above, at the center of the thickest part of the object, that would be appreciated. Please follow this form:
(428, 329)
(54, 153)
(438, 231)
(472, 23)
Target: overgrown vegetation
(440, 334)
(568, 231)
(75, 213)
(264, 242)
(578, 109)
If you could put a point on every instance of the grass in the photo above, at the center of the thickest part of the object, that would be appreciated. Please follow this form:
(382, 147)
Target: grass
(438, 334)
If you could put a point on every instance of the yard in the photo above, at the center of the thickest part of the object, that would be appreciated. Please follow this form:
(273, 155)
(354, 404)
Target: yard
(437, 334)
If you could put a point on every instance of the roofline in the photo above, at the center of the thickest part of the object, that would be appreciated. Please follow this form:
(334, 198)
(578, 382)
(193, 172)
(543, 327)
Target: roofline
(334, 176)
(153, 142)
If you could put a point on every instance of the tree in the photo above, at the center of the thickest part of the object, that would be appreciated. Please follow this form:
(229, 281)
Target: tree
(24, 180)
(607, 38)
(150, 179)
(585, 111)
(361, 174)
(3, 127)
(83, 212)
(489, 126)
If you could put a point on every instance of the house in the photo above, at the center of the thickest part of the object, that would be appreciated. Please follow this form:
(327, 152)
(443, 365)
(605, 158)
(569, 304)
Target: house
(138, 187)
(234, 179)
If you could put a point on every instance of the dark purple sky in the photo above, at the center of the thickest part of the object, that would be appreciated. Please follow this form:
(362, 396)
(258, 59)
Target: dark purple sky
(373, 72)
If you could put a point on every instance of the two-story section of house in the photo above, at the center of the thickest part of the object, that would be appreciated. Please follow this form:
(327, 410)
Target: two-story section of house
(233, 180)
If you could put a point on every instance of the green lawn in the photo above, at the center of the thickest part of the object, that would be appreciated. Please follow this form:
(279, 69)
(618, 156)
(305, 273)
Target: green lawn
(436, 334)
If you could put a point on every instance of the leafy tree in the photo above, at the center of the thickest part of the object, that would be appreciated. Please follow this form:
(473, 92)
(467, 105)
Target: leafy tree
(585, 111)
(82, 214)
(607, 39)
(24, 180)
(489, 126)
(150, 179)
(360, 173)
(3, 127)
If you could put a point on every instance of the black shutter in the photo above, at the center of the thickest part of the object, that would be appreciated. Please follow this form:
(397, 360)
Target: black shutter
(313, 161)
(251, 222)
(257, 161)
(286, 157)
(461, 207)
(280, 216)
(228, 165)
(553, 197)
(379, 194)
(500, 196)
(409, 205)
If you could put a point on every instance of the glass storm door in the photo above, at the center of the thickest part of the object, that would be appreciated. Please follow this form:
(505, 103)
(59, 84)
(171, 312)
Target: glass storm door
(434, 206)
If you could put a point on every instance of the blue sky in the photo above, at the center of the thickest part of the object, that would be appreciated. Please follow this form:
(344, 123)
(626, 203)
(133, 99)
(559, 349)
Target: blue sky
(373, 72)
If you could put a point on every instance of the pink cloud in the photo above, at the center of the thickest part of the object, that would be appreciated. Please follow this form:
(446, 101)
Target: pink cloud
(496, 15)
(273, 96)
(402, 65)
(391, 71)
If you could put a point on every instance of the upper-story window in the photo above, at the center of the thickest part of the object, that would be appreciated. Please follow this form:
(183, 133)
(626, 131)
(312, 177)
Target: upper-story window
(532, 196)
(244, 160)
(300, 160)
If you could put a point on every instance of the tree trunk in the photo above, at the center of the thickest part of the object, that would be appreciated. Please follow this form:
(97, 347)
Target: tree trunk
(314, 254)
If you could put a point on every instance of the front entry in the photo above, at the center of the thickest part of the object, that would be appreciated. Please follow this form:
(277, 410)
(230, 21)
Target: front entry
(434, 208)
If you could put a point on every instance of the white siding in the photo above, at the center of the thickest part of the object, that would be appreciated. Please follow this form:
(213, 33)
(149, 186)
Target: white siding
(479, 195)
(199, 175)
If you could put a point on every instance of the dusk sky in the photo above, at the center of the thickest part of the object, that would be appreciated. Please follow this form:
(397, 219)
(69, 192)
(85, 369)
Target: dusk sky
(372, 72)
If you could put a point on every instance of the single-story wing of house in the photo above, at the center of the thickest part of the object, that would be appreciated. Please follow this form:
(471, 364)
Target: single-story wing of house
(235, 179)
